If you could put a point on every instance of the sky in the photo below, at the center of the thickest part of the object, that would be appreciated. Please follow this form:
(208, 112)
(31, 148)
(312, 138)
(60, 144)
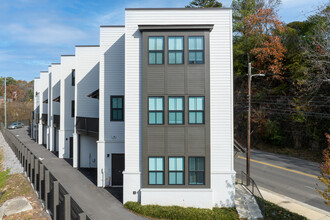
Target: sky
(35, 33)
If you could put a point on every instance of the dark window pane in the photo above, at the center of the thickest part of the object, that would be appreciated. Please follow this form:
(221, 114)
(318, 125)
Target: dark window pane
(152, 58)
(152, 117)
(171, 119)
(159, 58)
(171, 57)
(192, 57)
(192, 117)
(152, 178)
(179, 58)
(179, 117)
(159, 118)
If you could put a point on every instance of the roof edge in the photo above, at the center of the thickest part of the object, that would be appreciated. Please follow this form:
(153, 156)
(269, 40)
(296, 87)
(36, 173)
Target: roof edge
(87, 45)
(105, 26)
(130, 9)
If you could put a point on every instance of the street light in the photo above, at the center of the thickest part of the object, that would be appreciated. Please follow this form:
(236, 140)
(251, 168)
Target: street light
(249, 124)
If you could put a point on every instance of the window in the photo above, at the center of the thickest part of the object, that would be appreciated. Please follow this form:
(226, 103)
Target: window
(176, 170)
(196, 50)
(196, 170)
(175, 110)
(117, 108)
(175, 50)
(196, 110)
(73, 77)
(156, 110)
(156, 50)
(72, 108)
(156, 170)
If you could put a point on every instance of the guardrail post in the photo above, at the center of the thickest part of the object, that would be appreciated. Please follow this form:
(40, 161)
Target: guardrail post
(36, 173)
(28, 167)
(67, 207)
(47, 188)
(41, 180)
(32, 169)
(82, 216)
(55, 199)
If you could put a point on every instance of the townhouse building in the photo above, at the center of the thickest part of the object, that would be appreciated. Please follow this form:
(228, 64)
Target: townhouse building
(67, 104)
(111, 106)
(86, 108)
(54, 106)
(36, 109)
(179, 107)
(43, 116)
(151, 108)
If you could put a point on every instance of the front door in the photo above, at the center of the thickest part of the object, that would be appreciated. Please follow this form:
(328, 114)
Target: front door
(118, 166)
(71, 147)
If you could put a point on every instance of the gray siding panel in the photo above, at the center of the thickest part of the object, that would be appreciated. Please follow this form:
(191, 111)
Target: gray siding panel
(176, 141)
(156, 139)
(196, 141)
(175, 79)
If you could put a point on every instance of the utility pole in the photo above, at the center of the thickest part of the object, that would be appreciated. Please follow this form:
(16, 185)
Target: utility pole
(250, 75)
(5, 102)
(248, 128)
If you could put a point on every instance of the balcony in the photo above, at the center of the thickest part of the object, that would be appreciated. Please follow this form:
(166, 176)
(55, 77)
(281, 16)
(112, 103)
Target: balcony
(44, 119)
(87, 126)
(56, 121)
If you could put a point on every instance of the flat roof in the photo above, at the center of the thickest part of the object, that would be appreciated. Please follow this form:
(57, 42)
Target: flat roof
(112, 26)
(87, 45)
(67, 55)
(44, 71)
(208, 27)
(178, 9)
(56, 63)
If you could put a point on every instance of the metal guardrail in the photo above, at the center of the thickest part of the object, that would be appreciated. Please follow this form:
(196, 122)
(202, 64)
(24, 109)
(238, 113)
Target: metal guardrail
(251, 185)
(57, 200)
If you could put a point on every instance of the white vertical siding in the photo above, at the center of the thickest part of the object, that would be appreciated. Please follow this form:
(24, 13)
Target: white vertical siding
(67, 95)
(87, 81)
(112, 80)
(56, 76)
(44, 78)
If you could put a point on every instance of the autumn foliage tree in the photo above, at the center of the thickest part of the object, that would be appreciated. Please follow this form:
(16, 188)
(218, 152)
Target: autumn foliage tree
(263, 33)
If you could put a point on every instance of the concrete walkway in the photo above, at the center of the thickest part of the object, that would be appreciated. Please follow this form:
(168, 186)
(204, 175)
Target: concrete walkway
(96, 202)
(295, 206)
(246, 205)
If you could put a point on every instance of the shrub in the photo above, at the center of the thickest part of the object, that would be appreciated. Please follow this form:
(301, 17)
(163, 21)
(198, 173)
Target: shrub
(177, 212)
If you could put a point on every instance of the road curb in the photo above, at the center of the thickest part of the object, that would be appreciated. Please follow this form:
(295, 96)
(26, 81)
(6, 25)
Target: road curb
(293, 205)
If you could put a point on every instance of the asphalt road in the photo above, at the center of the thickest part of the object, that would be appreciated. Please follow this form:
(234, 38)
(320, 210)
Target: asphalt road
(292, 177)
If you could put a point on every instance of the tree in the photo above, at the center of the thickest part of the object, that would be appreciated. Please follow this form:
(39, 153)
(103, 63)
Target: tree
(204, 4)
(325, 173)
(263, 30)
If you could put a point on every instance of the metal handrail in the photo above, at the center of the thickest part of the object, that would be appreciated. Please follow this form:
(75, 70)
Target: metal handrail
(250, 183)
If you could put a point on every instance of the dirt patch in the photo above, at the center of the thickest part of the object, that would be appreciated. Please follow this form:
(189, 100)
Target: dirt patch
(12, 186)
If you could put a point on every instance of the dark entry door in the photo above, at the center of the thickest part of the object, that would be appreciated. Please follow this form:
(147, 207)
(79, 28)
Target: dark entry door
(118, 166)
(71, 147)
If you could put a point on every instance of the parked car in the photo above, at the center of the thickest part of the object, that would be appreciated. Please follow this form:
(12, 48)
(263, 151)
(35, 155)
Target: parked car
(16, 125)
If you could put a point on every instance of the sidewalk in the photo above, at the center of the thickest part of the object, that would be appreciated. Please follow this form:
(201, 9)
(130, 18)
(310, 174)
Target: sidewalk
(96, 202)
(292, 205)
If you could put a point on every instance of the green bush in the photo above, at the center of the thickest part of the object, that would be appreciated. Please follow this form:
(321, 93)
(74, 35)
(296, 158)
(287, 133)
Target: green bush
(176, 212)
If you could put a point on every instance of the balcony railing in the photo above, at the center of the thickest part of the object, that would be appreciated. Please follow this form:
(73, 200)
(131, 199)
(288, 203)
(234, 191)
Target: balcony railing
(56, 121)
(44, 118)
(37, 118)
(88, 126)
